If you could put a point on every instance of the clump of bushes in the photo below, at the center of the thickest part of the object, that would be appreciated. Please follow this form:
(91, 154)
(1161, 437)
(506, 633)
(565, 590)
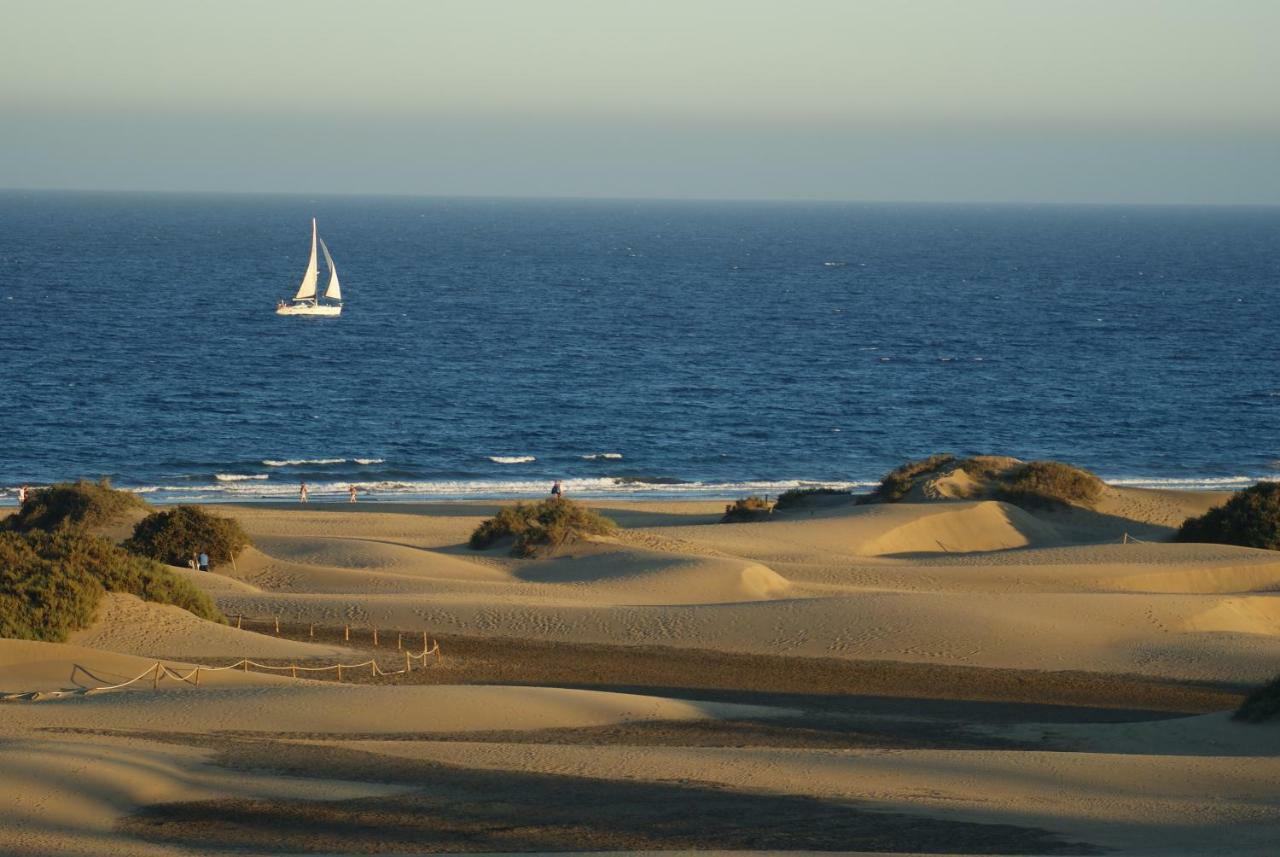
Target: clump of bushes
(1251, 519)
(1262, 704)
(174, 536)
(74, 504)
(986, 468)
(51, 583)
(1048, 484)
(793, 497)
(545, 525)
(751, 508)
(898, 482)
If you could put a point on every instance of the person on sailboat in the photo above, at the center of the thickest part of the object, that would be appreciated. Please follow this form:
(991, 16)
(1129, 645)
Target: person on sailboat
(302, 492)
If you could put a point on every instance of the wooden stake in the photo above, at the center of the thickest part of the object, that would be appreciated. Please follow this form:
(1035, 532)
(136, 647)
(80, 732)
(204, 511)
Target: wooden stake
(399, 642)
(313, 630)
(155, 680)
(246, 664)
(339, 672)
(375, 636)
(197, 676)
(373, 668)
(294, 670)
(346, 633)
(239, 619)
(424, 641)
(277, 626)
(408, 667)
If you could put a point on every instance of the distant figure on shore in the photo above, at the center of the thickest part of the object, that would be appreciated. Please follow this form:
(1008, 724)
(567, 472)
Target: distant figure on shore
(22, 495)
(194, 563)
(557, 490)
(351, 494)
(204, 561)
(302, 493)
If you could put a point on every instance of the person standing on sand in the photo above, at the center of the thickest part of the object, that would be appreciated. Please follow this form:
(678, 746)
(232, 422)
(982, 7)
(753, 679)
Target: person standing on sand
(557, 490)
(194, 563)
(351, 494)
(204, 561)
(22, 496)
(302, 492)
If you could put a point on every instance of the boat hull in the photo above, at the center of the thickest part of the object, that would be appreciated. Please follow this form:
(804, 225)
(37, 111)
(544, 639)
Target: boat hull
(309, 309)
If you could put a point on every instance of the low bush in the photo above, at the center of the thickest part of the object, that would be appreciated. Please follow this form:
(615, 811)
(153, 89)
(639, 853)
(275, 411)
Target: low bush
(74, 504)
(1251, 519)
(537, 526)
(794, 497)
(1262, 704)
(175, 536)
(987, 468)
(51, 583)
(1048, 484)
(751, 508)
(898, 482)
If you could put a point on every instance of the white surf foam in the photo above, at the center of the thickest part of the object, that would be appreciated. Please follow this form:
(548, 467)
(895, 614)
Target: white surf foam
(512, 459)
(603, 456)
(238, 477)
(369, 460)
(295, 462)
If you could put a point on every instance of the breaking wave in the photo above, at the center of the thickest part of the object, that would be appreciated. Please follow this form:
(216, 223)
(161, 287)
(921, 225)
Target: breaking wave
(300, 462)
(512, 459)
(238, 477)
(603, 456)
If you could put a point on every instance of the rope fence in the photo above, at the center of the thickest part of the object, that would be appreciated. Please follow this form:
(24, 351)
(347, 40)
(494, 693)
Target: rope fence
(159, 671)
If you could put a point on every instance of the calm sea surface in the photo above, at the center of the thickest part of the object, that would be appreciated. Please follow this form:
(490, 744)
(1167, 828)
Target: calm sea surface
(489, 346)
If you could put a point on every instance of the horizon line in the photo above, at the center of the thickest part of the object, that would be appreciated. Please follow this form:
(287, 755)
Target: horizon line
(665, 199)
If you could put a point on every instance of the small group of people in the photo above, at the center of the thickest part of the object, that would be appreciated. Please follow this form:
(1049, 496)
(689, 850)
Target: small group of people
(199, 562)
(304, 495)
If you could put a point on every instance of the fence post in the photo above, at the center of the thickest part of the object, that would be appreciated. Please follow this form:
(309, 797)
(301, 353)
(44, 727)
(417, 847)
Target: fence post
(155, 679)
(375, 636)
(313, 630)
(424, 641)
(373, 667)
(277, 626)
(339, 672)
(293, 670)
(197, 676)
(246, 664)
(239, 619)
(399, 642)
(408, 667)
(346, 633)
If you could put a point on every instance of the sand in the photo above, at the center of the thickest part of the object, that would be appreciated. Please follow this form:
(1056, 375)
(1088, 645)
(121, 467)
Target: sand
(999, 635)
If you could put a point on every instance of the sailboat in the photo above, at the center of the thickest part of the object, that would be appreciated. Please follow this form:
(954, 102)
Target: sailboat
(305, 301)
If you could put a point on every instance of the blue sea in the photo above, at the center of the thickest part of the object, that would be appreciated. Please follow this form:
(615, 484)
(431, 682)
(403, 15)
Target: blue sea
(488, 347)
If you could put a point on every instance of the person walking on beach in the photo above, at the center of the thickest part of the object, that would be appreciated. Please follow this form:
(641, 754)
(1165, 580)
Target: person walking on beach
(557, 490)
(22, 495)
(351, 494)
(302, 492)
(203, 561)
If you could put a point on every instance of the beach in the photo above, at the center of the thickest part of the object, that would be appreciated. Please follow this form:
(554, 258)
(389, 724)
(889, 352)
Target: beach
(943, 676)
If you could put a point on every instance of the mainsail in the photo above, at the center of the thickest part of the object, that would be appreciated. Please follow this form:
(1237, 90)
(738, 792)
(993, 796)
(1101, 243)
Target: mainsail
(334, 291)
(307, 291)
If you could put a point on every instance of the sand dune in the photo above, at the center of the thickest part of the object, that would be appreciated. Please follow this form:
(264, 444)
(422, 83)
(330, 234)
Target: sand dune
(129, 625)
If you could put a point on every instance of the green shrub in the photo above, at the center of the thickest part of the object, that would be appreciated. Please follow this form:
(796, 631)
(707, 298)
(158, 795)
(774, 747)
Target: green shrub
(544, 525)
(987, 468)
(1049, 484)
(176, 535)
(1262, 704)
(51, 583)
(747, 509)
(74, 504)
(1251, 518)
(898, 482)
(793, 497)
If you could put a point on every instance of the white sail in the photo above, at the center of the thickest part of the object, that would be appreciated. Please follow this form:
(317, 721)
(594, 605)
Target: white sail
(334, 291)
(307, 290)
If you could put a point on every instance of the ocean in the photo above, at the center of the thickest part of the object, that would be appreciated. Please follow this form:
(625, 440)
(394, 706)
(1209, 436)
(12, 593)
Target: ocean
(488, 347)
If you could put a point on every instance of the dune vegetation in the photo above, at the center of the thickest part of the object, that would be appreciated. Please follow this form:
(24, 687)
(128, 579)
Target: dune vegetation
(51, 582)
(74, 504)
(751, 508)
(540, 527)
(174, 536)
(795, 497)
(1030, 484)
(1251, 519)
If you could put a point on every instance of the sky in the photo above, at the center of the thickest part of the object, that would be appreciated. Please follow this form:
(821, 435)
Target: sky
(1122, 101)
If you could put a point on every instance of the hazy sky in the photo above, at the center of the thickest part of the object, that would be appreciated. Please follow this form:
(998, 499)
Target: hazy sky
(1019, 100)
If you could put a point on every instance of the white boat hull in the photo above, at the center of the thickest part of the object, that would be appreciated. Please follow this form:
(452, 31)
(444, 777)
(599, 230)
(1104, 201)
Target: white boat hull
(309, 309)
